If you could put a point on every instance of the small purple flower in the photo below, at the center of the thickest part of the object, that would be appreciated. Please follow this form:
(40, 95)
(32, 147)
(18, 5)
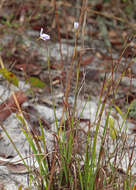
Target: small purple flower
(44, 36)
(76, 25)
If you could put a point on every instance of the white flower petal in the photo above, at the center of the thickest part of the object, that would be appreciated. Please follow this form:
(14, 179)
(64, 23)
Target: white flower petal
(76, 25)
(41, 31)
(44, 36)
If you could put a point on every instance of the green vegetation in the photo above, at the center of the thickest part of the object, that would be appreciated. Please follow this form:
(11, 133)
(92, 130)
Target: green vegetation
(95, 165)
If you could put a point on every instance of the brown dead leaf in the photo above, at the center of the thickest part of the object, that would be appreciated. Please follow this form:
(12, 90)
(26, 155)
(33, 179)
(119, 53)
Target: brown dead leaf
(3, 162)
(9, 106)
(2, 187)
(99, 55)
(17, 168)
(32, 117)
(112, 34)
(29, 68)
(87, 61)
(116, 42)
(1, 136)
(56, 66)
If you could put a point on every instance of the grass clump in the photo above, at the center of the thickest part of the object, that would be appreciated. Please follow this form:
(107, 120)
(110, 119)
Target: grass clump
(83, 157)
